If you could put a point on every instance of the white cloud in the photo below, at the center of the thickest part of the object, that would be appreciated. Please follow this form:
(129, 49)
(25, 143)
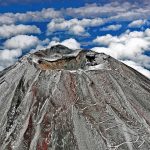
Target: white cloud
(14, 46)
(95, 10)
(110, 11)
(130, 12)
(21, 42)
(70, 43)
(128, 46)
(114, 11)
(111, 27)
(137, 67)
(8, 57)
(7, 54)
(77, 30)
(29, 16)
(74, 26)
(137, 23)
(7, 31)
(147, 32)
(105, 40)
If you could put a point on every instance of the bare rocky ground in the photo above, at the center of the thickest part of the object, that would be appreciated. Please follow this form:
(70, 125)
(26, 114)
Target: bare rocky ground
(59, 99)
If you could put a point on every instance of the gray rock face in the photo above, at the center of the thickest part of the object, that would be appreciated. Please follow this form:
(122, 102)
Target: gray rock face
(59, 99)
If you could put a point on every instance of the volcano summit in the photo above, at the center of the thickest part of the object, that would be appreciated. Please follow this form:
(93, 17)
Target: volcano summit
(61, 99)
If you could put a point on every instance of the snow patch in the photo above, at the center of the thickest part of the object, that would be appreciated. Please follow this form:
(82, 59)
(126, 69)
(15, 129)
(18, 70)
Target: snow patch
(97, 67)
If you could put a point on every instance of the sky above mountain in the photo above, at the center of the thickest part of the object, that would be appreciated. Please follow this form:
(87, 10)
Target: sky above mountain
(118, 28)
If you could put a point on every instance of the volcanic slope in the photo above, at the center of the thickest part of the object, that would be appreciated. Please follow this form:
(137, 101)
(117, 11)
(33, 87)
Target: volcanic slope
(61, 99)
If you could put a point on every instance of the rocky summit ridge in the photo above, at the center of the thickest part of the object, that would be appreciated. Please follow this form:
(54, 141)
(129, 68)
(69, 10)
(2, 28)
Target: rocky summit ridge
(60, 99)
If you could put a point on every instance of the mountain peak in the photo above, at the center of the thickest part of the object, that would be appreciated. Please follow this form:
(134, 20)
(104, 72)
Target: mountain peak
(73, 100)
(61, 57)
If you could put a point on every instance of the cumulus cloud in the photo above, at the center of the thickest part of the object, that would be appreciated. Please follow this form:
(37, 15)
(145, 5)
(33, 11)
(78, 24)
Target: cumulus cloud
(21, 42)
(29, 16)
(7, 31)
(131, 11)
(128, 46)
(70, 43)
(14, 46)
(8, 57)
(137, 23)
(105, 40)
(74, 26)
(95, 10)
(112, 11)
(77, 30)
(111, 27)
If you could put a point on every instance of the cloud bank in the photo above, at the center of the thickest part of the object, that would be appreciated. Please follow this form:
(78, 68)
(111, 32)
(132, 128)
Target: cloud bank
(111, 27)
(21, 42)
(29, 16)
(138, 23)
(7, 31)
(9, 57)
(74, 26)
(129, 47)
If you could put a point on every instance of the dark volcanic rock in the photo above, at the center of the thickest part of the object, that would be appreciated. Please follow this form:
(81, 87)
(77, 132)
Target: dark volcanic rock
(59, 99)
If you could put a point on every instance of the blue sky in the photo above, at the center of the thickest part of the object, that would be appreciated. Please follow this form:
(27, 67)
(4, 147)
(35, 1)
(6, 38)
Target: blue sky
(118, 28)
